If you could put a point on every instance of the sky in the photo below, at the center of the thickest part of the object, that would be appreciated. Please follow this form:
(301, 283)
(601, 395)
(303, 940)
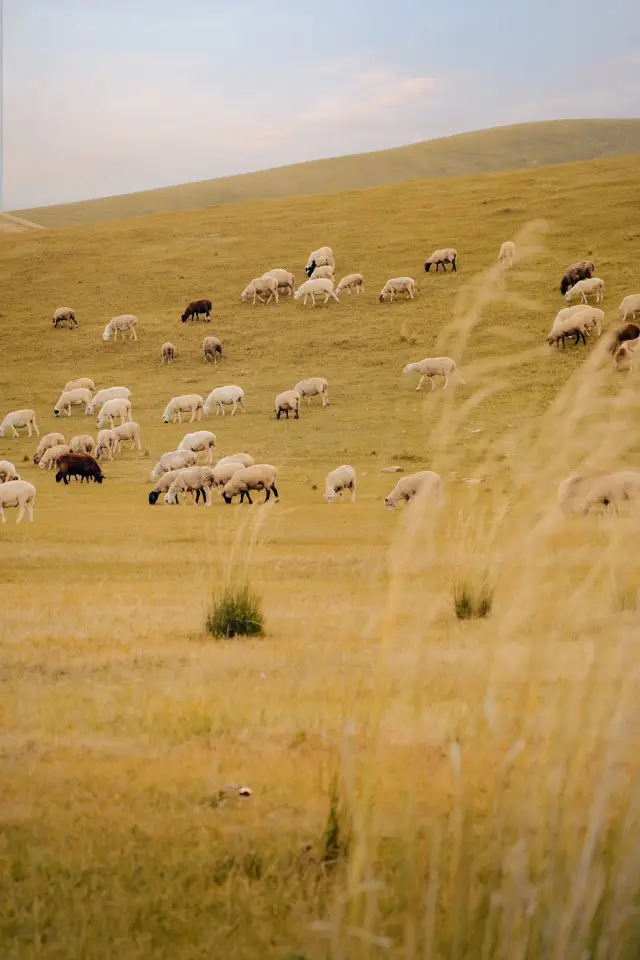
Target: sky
(112, 96)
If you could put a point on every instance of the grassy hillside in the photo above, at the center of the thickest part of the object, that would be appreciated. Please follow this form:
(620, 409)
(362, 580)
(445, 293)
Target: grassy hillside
(486, 770)
(484, 151)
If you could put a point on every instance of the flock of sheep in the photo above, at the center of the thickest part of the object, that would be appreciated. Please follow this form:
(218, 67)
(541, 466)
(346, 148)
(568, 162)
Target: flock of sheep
(177, 472)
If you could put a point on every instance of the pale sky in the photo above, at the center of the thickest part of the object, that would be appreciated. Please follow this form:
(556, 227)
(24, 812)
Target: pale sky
(112, 96)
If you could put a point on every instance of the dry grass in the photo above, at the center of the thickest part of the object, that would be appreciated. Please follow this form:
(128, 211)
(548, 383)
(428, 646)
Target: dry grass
(482, 775)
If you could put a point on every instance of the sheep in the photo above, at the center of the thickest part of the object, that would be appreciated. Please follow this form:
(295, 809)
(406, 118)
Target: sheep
(211, 346)
(592, 316)
(223, 396)
(49, 440)
(624, 355)
(192, 480)
(167, 353)
(397, 285)
(408, 487)
(314, 387)
(312, 287)
(17, 420)
(353, 281)
(85, 382)
(323, 273)
(188, 403)
(49, 458)
(630, 305)
(582, 492)
(261, 476)
(573, 326)
(195, 308)
(163, 485)
(8, 471)
(258, 286)
(442, 257)
(121, 325)
(630, 331)
(507, 253)
(128, 432)
(112, 409)
(174, 460)
(81, 444)
(64, 315)
(583, 288)
(286, 280)
(108, 393)
(17, 493)
(432, 367)
(582, 270)
(78, 465)
(244, 458)
(223, 471)
(286, 401)
(199, 442)
(69, 398)
(342, 478)
(106, 444)
(321, 257)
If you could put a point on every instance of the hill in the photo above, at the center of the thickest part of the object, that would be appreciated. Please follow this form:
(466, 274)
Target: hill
(483, 151)
(484, 771)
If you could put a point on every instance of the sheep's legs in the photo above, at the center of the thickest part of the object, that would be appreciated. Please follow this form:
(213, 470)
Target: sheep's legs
(453, 264)
(241, 404)
(446, 381)
(335, 296)
(233, 409)
(420, 382)
(134, 334)
(313, 299)
(275, 491)
(410, 292)
(4, 519)
(267, 494)
(245, 493)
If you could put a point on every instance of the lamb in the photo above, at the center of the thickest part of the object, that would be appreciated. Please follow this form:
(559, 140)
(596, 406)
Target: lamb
(211, 346)
(630, 305)
(163, 485)
(17, 493)
(314, 387)
(592, 316)
(49, 440)
(507, 253)
(312, 287)
(442, 257)
(286, 280)
(64, 315)
(395, 286)
(223, 396)
(353, 281)
(244, 458)
(259, 286)
(323, 273)
(174, 460)
(69, 398)
(414, 483)
(624, 355)
(112, 409)
(128, 432)
(121, 325)
(106, 444)
(261, 476)
(321, 257)
(569, 327)
(202, 440)
(195, 308)
(109, 393)
(167, 353)
(17, 420)
(193, 480)
(222, 472)
(432, 367)
(582, 493)
(8, 471)
(187, 403)
(286, 401)
(49, 458)
(582, 270)
(82, 444)
(78, 465)
(343, 478)
(85, 382)
(586, 287)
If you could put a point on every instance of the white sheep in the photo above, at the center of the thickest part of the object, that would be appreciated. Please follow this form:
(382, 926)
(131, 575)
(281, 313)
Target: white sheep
(441, 258)
(630, 305)
(222, 472)
(573, 326)
(342, 478)
(83, 443)
(286, 402)
(321, 257)
(17, 420)
(224, 396)
(69, 398)
(112, 409)
(128, 433)
(17, 493)
(194, 480)
(187, 403)
(174, 460)
(312, 287)
(167, 353)
(257, 287)
(414, 483)
(64, 315)
(8, 471)
(314, 387)
(108, 393)
(507, 253)
(396, 286)
(323, 273)
(49, 458)
(106, 444)
(49, 440)
(121, 325)
(432, 367)
(592, 316)
(286, 280)
(261, 476)
(85, 382)
(244, 458)
(353, 281)
(211, 347)
(163, 484)
(584, 492)
(584, 288)
(199, 442)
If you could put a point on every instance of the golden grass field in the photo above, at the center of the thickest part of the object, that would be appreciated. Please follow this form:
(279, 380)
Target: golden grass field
(486, 771)
(522, 145)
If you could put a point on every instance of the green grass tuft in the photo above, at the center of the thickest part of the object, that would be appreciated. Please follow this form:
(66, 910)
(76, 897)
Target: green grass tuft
(237, 613)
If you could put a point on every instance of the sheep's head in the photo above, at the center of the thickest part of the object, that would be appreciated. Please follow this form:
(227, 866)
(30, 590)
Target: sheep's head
(381, 297)
(427, 266)
(226, 497)
(389, 504)
(309, 270)
(153, 497)
(59, 476)
(184, 317)
(107, 333)
(407, 370)
(56, 412)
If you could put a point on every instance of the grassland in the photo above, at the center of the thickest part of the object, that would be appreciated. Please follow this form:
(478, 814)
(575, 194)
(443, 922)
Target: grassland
(524, 145)
(486, 771)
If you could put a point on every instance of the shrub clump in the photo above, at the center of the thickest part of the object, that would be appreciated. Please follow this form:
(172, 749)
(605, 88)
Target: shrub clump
(470, 603)
(237, 613)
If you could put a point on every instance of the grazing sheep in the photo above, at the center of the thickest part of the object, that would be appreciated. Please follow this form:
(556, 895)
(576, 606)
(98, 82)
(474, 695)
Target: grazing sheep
(128, 432)
(582, 270)
(81, 444)
(17, 420)
(112, 409)
(106, 444)
(8, 471)
(188, 403)
(624, 355)
(17, 493)
(592, 316)
(194, 480)
(69, 398)
(109, 393)
(261, 476)
(49, 440)
(222, 472)
(353, 281)
(64, 315)
(573, 326)
(121, 325)
(582, 493)
(584, 288)
(396, 286)
(408, 487)
(174, 460)
(432, 367)
(343, 478)
(314, 387)
(442, 257)
(199, 442)
(224, 396)
(630, 331)
(244, 458)
(167, 353)
(321, 257)
(85, 382)
(79, 465)
(257, 287)
(49, 458)
(312, 287)
(507, 253)
(211, 346)
(286, 280)
(163, 485)
(323, 273)
(286, 401)
(195, 308)
(630, 305)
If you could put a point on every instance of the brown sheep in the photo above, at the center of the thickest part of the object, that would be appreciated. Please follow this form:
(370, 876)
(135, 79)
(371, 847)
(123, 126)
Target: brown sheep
(80, 465)
(195, 308)
(582, 270)
(630, 331)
